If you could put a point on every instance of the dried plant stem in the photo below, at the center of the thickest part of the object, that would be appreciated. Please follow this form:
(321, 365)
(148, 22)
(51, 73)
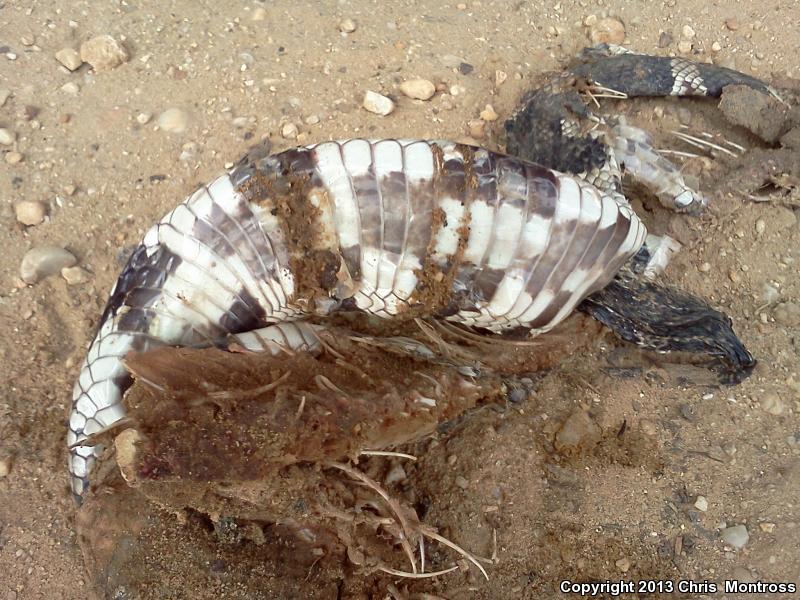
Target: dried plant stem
(408, 575)
(388, 453)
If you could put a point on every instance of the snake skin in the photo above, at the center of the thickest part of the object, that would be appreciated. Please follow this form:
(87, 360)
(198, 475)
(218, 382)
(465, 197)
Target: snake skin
(555, 127)
(370, 225)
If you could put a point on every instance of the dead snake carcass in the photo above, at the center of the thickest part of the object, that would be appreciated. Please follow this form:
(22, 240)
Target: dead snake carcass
(393, 228)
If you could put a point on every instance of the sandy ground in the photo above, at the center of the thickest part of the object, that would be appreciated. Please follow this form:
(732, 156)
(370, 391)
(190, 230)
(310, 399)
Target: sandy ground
(622, 507)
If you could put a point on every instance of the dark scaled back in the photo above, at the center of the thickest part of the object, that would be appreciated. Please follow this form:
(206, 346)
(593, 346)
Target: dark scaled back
(664, 318)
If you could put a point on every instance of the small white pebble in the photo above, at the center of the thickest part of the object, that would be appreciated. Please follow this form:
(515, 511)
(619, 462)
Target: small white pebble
(688, 32)
(736, 536)
(289, 131)
(70, 88)
(173, 120)
(69, 57)
(30, 212)
(13, 158)
(7, 137)
(488, 113)
(347, 26)
(74, 275)
(103, 53)
(701, 504)
(378, 104)
(143, 118)
(419, 89)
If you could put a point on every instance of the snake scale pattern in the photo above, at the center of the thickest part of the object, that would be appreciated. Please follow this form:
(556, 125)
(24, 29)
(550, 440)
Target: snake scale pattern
(393, 228)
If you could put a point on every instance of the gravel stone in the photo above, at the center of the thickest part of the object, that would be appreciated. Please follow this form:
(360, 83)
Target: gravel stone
(477, 128)
(7, 137)
(143, 118)
(465, 68)
(378, 104)
(772, 404)
(623, 564)
(347, 26)
(451, 61)
(735, 536)
(70, 88)
(5, 467)
(419, 89)
(30, 212)
(74, 275)
(787, 314)
(103, 53)
(488, 113)
(688, 32)
(608, 30)
(43, 261)
(289, 131)
(69, 57)
(13, 158)
(173, 120)
(684, 46)
(578, 430)
(701, 504)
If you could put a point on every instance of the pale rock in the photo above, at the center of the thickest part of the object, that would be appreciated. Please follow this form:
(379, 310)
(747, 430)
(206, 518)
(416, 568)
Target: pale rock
(13, 158)
(701, 504)
(69, 57)
(608, 30)
(488, 113)
(289, 131)
(735, 536)
(7, 137)
(347, 26)
(70, 88)
(74, 275)
(477, 128)
(173, 120)
(771, 403)
(578, 430)
(30, 212)
(787, 314)
(103, 53)
(43, 261)
(419, 89)
(378, 104)
(688, 32)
